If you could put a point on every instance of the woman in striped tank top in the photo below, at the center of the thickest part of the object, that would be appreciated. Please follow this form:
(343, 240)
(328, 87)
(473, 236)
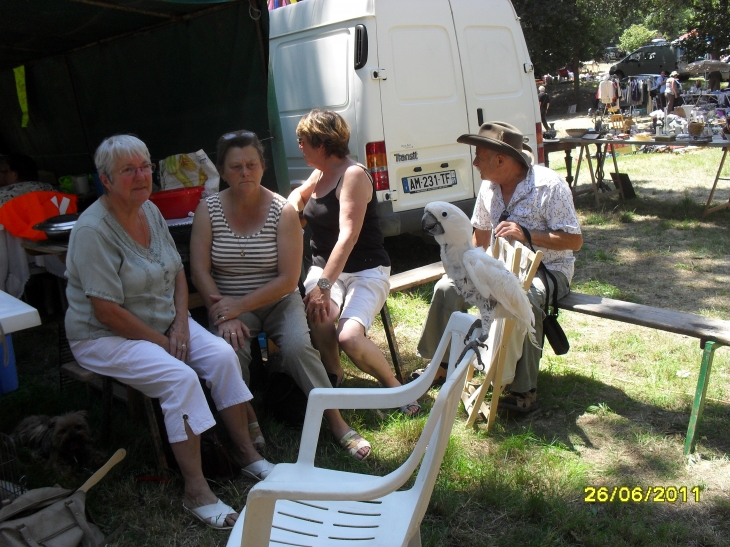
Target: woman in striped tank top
(246, 255)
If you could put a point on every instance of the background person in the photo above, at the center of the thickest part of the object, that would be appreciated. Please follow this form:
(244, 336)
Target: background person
(662, 90)
(128, 319)
(18, 176)
(350, 275)
(544, 100)
(246, 255)
(514, 193)
(672, 90)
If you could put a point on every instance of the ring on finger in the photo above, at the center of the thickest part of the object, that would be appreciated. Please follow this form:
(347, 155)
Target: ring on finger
(227, 332)
(219, 316)
(234, 333)
(183, 345)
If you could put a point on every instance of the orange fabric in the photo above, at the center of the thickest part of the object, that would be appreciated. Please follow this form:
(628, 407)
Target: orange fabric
(20, 214)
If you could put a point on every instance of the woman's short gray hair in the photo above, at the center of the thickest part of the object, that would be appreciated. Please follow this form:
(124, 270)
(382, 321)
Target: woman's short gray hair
(115, 147)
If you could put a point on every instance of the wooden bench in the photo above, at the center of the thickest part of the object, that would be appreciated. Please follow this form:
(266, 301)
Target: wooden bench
(712, 333)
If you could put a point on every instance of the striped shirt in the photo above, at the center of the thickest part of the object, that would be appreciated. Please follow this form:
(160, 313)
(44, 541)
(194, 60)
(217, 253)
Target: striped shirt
(234, 274)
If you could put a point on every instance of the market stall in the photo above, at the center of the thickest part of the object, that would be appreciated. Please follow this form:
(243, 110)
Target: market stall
(178, 75)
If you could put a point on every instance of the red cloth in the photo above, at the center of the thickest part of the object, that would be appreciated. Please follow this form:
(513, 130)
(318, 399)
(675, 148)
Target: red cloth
(20, 214)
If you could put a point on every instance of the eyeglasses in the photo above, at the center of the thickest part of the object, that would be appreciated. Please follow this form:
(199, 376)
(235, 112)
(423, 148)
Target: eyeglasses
(504, 216)
(145, 169)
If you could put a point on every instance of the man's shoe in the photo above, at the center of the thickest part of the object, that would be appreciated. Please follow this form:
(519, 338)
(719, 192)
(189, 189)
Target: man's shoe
(520, 402)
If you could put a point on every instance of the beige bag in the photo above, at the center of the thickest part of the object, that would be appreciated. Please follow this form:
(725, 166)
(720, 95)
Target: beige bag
(54, 517)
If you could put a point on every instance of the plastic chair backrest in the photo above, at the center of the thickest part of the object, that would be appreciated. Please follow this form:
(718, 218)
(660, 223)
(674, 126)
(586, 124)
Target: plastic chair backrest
(443, 414)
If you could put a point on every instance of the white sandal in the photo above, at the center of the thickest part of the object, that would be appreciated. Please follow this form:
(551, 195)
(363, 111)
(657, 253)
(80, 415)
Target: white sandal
(258, 470)
(216, 512)
(352, 442)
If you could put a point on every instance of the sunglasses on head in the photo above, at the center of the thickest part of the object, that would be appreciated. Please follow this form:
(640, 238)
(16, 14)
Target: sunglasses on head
(241, 133)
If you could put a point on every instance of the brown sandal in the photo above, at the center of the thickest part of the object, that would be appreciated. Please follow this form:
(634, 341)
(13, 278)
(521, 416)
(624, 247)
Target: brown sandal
(438, 380)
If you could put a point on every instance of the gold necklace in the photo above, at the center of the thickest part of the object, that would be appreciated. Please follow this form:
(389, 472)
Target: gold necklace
(240, 240)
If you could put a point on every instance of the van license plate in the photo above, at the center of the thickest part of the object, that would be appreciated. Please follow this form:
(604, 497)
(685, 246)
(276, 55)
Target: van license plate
(432, 181)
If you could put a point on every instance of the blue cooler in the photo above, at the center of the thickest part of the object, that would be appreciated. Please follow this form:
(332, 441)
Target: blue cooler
(8, 374)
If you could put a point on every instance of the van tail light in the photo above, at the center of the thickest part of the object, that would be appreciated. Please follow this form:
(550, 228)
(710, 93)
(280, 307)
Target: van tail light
(378, 164)
(540, 148)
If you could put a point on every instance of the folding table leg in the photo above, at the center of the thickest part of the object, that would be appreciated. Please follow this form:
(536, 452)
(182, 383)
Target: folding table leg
(707, 210)
(699, 402)
(615, 170)
(593, 176)
(574, 182)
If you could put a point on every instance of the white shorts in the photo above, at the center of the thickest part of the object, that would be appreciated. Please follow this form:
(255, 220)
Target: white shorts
(150, 369)
(359, 295)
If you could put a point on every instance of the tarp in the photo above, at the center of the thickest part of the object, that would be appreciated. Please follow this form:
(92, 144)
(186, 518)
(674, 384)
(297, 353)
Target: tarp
(178, 83)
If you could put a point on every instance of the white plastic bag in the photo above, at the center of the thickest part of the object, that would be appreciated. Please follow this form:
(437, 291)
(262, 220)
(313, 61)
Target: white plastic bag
(189, 170)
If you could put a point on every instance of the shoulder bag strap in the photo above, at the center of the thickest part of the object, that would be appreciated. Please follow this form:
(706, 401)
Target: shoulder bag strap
(543, 268)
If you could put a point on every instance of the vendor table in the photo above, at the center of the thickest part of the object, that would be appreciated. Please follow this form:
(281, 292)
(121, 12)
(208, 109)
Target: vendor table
(697, 99)
(598, 187)
(47, 247)
(604, 147)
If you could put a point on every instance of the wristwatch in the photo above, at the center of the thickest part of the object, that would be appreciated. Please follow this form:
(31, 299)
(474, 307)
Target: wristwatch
(324, 283)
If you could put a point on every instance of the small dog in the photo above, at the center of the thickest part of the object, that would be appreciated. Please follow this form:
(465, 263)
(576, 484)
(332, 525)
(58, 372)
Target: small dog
(65, 437)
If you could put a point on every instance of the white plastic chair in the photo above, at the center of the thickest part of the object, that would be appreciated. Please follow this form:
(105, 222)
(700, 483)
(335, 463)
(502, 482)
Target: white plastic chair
(351, 507)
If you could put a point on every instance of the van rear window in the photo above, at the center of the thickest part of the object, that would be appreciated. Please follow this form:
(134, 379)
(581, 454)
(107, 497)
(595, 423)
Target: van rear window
(316, 67)
(491, 57)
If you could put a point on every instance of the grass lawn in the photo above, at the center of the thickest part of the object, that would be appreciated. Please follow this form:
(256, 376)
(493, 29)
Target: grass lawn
(614, 410)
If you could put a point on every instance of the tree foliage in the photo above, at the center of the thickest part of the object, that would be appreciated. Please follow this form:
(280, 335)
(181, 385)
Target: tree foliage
(710, 22)
(669, 17)
(564, 32)
(557, 31)
(636, 36)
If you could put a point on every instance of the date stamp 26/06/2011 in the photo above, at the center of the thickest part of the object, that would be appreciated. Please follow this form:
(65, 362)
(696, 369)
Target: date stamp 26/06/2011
(641, 494)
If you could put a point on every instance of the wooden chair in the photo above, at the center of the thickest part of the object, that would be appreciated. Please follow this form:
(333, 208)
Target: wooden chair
(300, 504)
(504, 341)
(617, 122)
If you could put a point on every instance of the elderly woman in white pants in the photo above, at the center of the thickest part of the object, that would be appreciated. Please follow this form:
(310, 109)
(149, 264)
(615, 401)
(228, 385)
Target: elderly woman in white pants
(128, 319)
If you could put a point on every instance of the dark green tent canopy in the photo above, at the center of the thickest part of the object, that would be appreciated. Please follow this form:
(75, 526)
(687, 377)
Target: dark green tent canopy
(177, 74)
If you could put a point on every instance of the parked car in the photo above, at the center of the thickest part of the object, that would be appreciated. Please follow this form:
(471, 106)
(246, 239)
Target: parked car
(409, 78)
(650, 59)
(613, 54)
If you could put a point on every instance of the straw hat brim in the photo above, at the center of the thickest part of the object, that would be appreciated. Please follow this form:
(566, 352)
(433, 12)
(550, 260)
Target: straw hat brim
(524, 156)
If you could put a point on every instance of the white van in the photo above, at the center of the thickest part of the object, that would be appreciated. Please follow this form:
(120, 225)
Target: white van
(409, 77)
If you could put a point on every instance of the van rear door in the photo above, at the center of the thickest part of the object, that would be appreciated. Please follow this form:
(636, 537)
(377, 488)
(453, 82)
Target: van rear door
(423, 107)
(498, 77)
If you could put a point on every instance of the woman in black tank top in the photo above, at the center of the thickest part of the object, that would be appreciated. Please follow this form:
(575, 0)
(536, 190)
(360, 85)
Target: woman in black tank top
(350, 264)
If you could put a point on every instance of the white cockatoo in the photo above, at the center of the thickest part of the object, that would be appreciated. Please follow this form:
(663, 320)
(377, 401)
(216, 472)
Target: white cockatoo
(480, 279)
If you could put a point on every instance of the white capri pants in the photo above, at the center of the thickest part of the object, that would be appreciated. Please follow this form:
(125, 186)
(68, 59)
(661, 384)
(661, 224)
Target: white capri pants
(150, 369)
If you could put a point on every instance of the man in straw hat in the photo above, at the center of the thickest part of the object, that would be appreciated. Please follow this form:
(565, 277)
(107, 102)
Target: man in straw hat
(517, 200)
